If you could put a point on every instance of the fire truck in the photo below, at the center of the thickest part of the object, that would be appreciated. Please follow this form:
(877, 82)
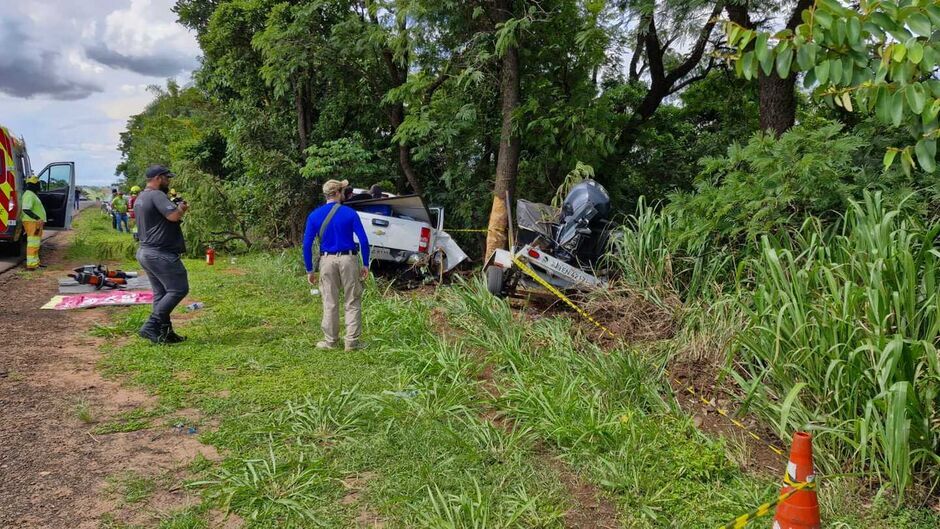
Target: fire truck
(57, 189)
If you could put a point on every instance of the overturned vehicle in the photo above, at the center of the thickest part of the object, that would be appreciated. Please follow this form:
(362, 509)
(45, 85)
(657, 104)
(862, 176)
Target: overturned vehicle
(406, 238)
(562, 246)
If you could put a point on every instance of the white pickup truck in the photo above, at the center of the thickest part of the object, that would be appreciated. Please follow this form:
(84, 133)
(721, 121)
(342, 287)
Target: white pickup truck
(403, 232)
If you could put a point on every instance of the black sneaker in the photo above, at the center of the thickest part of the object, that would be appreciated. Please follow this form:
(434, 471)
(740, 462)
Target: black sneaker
(152, 331)
(170, 335)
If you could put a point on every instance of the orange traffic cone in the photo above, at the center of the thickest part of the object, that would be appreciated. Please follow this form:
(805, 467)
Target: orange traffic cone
(801, 510)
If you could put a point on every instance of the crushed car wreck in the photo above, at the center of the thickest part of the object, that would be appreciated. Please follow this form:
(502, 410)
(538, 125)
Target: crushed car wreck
(563, 246)
(405, 236)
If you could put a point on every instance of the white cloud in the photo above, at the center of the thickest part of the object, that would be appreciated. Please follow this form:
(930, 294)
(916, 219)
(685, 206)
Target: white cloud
(73, 106)
(144, 27)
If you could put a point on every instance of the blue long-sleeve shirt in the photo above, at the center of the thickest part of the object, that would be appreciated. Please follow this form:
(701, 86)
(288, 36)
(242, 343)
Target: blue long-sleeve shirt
(338, 236)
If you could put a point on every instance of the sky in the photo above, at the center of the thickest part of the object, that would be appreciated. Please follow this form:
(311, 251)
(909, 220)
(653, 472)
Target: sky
(72, 72)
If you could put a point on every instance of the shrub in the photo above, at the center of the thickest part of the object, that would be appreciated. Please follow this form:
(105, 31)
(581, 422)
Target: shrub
(842, 339)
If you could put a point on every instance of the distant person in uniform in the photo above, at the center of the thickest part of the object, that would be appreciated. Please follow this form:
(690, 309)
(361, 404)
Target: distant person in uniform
(119, 208)
(34, 218)
(78, 197)
(161, 248)
(334, 225)
(135, 190)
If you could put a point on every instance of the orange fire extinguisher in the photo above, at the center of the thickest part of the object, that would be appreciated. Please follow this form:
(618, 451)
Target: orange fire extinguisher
(210, 256)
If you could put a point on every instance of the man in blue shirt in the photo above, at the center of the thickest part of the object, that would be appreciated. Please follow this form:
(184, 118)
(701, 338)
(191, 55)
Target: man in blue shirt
(335, 224)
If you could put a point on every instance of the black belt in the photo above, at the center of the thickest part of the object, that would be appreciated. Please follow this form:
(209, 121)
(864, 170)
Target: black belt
(344, 252)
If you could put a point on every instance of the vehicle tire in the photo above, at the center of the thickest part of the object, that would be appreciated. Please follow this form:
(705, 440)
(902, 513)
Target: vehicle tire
(495, 281)
(13, 249)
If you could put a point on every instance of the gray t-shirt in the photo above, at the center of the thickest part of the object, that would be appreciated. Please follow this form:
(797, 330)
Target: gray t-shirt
(154, 230)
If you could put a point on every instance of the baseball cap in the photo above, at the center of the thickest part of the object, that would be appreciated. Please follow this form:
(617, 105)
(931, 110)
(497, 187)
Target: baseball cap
(157, 170)
(334, 186)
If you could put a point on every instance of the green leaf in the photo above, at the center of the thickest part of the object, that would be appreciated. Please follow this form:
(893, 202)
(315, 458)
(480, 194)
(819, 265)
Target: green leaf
(838, 32)
(915, 52)
(898, 51)
(874, 30)
(931, 58)
(734, 31)
(760, 47)
(823, 18)
(749, 65)
(883, 105)
(806, 57)
(926, 150)
(916, 97)
(890, 155)
(933, 11)
(784, 59)
(919, 23)
(930, 112)
(767, 63)
(854, 30)
(809, 78)
(787, 405)
(907, 161)
(822, 72)
(896, 107)
(848, 66)
(477, 12)
(835, 71)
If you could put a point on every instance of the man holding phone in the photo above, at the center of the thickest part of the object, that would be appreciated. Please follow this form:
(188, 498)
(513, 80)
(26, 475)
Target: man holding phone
(161, 248)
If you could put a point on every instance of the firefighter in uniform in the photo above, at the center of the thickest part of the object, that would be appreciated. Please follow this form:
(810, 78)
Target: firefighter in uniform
(34, 217)
(135, 190)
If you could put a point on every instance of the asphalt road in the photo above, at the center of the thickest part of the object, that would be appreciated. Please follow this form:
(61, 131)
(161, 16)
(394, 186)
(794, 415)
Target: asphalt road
(8, 263)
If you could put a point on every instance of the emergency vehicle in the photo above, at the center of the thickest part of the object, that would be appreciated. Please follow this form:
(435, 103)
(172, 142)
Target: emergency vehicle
(57, 182)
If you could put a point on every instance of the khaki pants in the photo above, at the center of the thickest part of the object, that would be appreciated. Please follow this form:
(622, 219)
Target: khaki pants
(337, 271)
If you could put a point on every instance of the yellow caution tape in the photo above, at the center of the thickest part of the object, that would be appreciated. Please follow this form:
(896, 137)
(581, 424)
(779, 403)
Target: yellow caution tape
(738, 523)
(724, 413)
(765, 508)
(548, 286)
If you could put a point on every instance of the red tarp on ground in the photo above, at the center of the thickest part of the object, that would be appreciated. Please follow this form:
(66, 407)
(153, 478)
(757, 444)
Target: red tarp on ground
(99, 299)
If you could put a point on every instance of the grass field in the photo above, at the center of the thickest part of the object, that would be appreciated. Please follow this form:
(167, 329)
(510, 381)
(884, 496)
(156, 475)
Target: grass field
(458, 414)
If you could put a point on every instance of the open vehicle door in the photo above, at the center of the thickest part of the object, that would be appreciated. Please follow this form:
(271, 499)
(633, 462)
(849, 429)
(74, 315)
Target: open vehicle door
(58, 191)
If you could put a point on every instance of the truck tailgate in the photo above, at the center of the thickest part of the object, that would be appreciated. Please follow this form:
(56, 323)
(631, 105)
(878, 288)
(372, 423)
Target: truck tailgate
(391, 232)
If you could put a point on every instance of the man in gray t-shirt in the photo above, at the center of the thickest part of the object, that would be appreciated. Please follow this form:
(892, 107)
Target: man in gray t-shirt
(161, 243)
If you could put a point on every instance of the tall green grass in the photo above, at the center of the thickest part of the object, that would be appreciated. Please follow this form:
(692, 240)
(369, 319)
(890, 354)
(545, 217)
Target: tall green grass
(835, 328)
(96, 241)
(842, 340)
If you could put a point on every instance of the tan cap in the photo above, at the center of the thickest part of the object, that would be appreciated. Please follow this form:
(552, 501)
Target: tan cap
(331, 187)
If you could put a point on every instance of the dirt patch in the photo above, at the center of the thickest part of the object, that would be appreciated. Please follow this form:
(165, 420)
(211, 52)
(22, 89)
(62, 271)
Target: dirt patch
(628, 316)
(694, 382)
(355, 486)
(54, 468)
(590, 508)
(593, 508)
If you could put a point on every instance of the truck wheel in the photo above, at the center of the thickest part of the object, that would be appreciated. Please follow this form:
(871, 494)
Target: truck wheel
(14, 249)
(495, 280)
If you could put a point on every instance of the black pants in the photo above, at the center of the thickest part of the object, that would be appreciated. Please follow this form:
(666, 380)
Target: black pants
(168, 279)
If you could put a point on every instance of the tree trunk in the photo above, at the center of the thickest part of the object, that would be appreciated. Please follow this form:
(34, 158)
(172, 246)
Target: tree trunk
(507, 164)
(777, 96)
(302, 126)
(777, 102)
(396, 117)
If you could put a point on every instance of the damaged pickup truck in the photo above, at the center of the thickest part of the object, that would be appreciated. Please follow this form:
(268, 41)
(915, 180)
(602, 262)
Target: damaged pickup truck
(405, 236)
(563, 246)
